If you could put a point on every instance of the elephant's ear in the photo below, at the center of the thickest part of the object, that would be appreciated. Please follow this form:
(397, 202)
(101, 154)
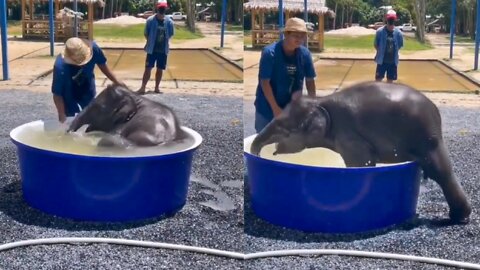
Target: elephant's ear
(317, 121)
(125, 109)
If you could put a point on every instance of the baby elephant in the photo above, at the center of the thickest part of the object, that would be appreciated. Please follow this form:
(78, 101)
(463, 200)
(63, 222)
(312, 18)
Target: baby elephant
(138, 120)
(368, 123)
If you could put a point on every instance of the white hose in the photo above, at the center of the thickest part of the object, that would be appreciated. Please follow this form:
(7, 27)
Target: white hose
(237, 255)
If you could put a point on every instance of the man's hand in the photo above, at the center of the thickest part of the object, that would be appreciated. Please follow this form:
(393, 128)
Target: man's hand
(276, 111)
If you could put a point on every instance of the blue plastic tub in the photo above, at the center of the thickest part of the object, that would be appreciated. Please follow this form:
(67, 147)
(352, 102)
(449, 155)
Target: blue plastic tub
(331, 200)
(112, 189)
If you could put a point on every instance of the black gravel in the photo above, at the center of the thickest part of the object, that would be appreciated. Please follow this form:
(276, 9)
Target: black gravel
(219, 159)
(428, 235)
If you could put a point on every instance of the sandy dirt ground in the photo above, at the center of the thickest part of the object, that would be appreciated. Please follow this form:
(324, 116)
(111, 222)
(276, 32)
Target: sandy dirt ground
(30, 60)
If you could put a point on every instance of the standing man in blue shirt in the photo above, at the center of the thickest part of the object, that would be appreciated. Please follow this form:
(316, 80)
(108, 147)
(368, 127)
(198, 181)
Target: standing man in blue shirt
(388, 41)
(283, 67)
(158, 31)
(73, 84)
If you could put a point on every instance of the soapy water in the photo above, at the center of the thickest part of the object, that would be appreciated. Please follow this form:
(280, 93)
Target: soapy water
(317, 157)
(52, 136)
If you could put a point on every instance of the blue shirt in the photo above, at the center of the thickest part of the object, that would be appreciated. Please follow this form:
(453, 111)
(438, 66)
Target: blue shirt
(381, 43)
(274, 66)
(151, 27)
(76, 85)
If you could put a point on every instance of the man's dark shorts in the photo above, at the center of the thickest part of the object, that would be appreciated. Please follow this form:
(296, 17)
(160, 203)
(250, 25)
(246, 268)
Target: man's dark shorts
(160, 58)
(390, 69)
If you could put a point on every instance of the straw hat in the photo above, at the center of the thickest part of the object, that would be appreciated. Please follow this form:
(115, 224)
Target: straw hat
(295, 25)
(77, 51)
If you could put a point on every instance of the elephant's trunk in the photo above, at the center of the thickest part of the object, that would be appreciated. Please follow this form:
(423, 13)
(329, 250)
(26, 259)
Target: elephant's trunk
(265, 137)
(77, 122)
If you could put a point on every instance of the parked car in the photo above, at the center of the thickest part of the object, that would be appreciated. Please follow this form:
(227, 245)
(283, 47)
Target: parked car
(208, 17)
(145, 14)
(407, 27)
(178, 16)
(376, 25)
(310, 26)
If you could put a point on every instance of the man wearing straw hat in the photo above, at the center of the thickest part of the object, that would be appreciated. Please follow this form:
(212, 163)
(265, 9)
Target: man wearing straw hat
(283, 67)
(73, 84)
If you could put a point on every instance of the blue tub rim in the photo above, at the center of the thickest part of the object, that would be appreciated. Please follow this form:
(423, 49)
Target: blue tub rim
(14, 138)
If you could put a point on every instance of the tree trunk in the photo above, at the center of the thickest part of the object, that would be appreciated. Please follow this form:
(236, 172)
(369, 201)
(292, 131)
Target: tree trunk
(191, 15)
(419, 7)
(111, 8)
(335, 18)
(343, 16)
(104, 7)
(240, 12)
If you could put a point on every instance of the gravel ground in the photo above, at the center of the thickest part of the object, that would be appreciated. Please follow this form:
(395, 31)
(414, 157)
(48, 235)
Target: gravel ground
(428, 235)
(217, 119)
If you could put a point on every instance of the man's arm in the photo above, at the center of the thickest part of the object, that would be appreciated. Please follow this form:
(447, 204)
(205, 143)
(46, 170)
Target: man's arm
(376, 40)
(60, 105)
(268, 93)
(310, 82)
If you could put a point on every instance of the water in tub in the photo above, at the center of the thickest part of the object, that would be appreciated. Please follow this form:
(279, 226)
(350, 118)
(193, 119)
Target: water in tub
(319, 157)
(50, 135)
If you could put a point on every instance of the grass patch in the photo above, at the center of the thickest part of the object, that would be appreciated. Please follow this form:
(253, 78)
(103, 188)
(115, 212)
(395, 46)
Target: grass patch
(462, 39)
(358, 43)
(232, 27)
(14, 28)
(135, 32)
(247, 38)
(366, 43)
(115, 32)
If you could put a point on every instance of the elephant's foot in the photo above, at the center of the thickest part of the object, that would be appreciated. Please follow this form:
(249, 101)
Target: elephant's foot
(461, 215)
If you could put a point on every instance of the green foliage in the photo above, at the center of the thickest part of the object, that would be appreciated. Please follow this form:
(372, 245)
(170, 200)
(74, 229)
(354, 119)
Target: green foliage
(366, 43)
(139, 6)
(368, 14)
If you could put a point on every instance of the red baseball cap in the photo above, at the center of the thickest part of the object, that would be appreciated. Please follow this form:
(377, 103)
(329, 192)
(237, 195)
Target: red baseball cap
(162, 4)
(391, 15)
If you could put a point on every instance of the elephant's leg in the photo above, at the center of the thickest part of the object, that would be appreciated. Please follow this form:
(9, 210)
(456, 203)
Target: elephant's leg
(143, 138)
(356, 152)
(437, 166)
(112, 140)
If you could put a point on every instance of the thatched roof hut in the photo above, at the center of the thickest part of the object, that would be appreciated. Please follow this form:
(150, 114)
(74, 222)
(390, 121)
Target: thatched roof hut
(263, 35)
(294, 6)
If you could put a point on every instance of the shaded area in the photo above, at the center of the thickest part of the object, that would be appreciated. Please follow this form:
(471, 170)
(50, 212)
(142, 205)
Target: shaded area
(182, 64)
(424, 75)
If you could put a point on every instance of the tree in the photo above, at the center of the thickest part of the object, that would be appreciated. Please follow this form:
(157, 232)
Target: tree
(419, 7)
(191, 15)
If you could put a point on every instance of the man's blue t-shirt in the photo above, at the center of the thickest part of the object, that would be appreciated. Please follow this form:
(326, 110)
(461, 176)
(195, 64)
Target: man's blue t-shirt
(76, 84)
(286, 75)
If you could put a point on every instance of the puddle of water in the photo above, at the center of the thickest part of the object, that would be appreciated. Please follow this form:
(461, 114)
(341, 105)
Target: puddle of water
(222, 203)
(54, 137)
(232, 184)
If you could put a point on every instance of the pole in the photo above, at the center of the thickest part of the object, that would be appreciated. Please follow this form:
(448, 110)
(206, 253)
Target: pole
(52, 26)
(477, 36)
(75, 21)
(280, 18)
(452, 26)
(224, 15)
(305, 16)
(3, 28)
